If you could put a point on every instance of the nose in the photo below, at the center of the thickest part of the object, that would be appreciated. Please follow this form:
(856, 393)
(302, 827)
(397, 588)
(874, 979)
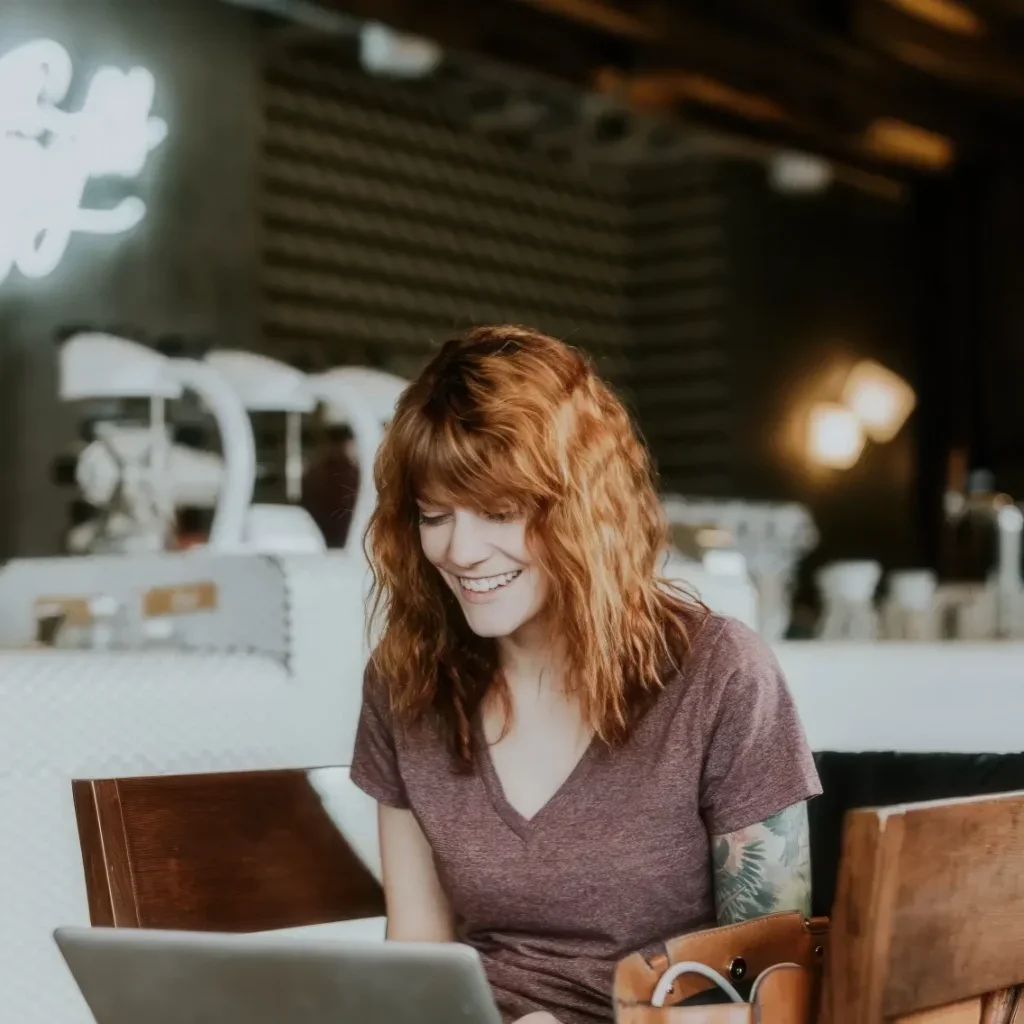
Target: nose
(468, 545)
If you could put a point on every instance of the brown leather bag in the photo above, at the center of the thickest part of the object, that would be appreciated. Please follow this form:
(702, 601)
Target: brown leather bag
(782, 954)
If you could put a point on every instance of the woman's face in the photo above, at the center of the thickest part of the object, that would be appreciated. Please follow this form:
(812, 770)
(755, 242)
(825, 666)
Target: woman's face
(486, 562)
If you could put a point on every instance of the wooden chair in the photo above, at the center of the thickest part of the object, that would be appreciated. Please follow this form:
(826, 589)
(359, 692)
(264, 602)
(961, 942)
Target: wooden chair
(928, 920)
(235, 852)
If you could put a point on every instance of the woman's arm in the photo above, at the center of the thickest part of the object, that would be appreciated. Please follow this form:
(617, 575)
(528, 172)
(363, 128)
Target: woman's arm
(764, 868)
(416, 905)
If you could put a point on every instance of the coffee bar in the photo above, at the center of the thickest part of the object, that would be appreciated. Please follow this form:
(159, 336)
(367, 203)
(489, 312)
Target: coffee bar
(231, 233)
(246, 653)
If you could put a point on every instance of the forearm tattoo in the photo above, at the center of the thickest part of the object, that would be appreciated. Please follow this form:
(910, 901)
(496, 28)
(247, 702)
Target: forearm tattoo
(764, 868)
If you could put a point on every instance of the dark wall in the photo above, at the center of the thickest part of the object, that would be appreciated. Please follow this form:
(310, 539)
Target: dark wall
(999, 434)
(681, 371)
(387, 225)
(188, 268)
(306, 210)
(818, 282)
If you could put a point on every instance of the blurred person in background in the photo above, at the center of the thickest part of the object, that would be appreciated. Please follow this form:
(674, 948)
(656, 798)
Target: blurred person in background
(573, 760)
(329, 485)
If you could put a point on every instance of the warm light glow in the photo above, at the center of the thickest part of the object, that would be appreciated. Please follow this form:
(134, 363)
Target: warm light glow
(879, 398)
(49, 155)
(944, 14)
(834, 436)
(909, 144)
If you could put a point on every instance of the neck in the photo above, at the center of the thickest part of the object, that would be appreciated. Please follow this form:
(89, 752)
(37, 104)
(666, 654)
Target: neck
(529, 656)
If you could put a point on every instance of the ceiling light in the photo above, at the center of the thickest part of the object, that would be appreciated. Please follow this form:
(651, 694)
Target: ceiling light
(907, 143)
(799, 172)
(387, 53)
(835, 438)
(945, 14)
(879, 398)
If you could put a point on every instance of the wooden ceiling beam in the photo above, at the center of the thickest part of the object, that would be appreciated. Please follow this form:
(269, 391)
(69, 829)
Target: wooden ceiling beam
(844, 73)
(605, 17)
(676, 62)
(503, 30)
(827, 100)
(817, 82)
(974, 61)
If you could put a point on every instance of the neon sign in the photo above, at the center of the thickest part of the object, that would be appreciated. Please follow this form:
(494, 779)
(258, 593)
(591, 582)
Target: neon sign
(48, 156)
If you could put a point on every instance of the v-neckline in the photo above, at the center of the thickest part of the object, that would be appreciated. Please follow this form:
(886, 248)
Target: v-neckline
(522, 826)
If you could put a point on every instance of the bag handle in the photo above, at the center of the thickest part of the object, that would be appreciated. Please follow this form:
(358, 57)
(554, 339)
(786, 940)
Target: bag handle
(666, 981)
(764, 974)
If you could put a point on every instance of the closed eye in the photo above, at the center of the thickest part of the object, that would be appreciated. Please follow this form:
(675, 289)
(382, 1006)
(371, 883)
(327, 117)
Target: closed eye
(425, 520)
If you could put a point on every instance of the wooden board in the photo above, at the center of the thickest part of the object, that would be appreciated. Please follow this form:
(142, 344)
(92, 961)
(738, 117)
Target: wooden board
(234, 852)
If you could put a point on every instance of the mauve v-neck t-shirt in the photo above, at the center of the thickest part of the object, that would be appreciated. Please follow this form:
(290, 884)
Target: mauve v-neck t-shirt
(618, 860)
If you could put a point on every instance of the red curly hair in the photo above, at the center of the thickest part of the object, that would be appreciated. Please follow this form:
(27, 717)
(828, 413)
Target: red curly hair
(504, 418)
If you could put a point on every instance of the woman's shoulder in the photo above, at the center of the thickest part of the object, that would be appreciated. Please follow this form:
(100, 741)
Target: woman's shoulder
(723, 637)
(723, 650)
(383, 706)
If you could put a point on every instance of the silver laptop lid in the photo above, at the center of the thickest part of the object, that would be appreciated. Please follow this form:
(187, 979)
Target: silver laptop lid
(130, 975)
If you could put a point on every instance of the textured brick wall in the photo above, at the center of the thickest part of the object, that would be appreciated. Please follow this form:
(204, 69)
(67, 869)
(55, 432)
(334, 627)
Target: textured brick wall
(386, 227)
(680, 367)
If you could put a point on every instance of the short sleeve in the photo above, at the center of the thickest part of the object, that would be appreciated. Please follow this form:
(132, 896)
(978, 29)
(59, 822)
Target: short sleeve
(757, 760)
(375, 761)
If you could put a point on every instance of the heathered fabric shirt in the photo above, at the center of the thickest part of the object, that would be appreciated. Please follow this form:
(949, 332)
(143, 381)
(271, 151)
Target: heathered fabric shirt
(619, 859)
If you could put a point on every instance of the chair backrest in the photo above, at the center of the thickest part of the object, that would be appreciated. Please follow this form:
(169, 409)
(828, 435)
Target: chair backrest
(928, 921)
(236, 852)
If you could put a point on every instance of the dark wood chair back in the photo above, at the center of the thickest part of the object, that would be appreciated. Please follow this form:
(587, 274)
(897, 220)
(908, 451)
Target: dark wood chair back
(928, 920)
(233, 852)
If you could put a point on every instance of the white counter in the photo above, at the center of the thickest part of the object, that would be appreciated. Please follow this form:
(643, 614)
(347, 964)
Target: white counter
(956, 697)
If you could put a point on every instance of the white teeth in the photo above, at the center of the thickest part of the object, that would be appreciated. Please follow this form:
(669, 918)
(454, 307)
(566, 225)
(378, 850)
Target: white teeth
(483, 584)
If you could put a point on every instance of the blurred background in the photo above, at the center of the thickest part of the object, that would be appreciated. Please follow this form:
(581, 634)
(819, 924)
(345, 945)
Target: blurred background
(230, 232)
(755, 215)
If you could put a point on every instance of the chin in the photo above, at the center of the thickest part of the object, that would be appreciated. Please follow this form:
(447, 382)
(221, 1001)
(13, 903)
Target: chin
(492, 626)
(491, 630)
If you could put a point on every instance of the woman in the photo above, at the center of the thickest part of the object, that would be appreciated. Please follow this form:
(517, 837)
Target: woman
(572, 760)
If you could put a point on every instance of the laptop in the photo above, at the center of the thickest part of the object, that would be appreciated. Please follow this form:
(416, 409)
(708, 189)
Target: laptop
(128, 975)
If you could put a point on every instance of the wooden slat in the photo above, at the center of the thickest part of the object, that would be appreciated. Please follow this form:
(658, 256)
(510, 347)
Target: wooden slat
(929, 909)
(238, 852)
(97, 884)
(960, 876)
(105, 854)
(966, 1012)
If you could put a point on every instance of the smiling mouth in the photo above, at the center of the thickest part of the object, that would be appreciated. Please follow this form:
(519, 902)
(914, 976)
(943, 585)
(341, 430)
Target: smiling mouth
(486, 584)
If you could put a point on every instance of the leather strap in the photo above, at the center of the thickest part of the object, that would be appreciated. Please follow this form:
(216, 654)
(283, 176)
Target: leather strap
(740, 952)
(726, 1013)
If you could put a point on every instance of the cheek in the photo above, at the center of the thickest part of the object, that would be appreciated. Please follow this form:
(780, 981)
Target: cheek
(518, 545)
(540, 588)
(433, 544)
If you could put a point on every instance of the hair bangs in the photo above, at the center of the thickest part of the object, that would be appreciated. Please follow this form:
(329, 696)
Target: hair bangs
(452, 466)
